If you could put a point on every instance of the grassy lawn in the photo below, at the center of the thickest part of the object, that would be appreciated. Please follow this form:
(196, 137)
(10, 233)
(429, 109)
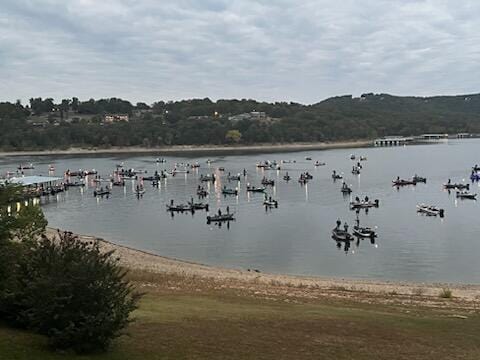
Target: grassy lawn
(223, 325)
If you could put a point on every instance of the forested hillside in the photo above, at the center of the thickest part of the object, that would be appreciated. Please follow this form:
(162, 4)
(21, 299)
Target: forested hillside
(44, 124)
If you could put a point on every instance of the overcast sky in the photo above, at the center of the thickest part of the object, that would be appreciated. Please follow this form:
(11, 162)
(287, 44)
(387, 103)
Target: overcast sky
(273, 50)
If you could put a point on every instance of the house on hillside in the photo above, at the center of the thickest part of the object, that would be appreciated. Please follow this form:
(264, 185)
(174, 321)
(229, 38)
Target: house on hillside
(253, 115)
(113, 118)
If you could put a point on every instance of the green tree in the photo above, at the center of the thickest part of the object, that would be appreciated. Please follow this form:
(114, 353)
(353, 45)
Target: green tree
(233, 136)
(74, 293)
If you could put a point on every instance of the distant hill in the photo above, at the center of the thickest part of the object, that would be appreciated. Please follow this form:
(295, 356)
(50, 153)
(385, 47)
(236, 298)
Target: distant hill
(43, 124)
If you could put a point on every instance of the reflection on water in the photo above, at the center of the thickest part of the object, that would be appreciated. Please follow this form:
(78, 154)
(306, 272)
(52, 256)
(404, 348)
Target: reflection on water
(294, 237)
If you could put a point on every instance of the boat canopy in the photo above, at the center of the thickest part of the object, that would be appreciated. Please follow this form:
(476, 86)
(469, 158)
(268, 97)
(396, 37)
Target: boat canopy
(33, 180)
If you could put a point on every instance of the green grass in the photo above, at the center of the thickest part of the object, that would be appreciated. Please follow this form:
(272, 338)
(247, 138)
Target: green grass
(223, 325)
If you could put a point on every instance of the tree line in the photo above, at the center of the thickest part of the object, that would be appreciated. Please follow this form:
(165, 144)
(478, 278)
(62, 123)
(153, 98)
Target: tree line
(203, 121)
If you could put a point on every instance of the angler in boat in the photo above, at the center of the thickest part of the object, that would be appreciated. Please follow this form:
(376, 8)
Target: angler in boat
(363, 231)
(269, 202)
(226, 191)
(401, 182)
(318, 163)
(268, 182)
(364, 204)
(341, 234)
(139, 190)
(101, 192)
(178, 208)
(221, 217)
(430, 210)
(459, 186)
(207, 178)
(198, 206)
(336, 176)
(26, 167)
(287, 177)
(466, 195)
(233, 177)
(255, 189)
(345, 188)
(419, 179)
(355, 170)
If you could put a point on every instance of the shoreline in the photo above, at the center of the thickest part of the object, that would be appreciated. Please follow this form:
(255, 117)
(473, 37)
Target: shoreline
(295, 285)
(185, 149)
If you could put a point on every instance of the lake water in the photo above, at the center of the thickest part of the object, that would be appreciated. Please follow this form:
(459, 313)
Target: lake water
(294, 238)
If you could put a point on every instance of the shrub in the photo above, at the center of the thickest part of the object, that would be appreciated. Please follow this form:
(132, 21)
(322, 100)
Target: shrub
(446, 294)
(73, 293)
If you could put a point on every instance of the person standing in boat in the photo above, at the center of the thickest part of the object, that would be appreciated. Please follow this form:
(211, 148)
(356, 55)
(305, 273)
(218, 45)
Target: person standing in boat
(338, 224)
(345, 227)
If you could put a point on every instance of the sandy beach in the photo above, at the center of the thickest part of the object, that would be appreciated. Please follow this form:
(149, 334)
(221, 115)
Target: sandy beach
(179, 149)
(304, 287)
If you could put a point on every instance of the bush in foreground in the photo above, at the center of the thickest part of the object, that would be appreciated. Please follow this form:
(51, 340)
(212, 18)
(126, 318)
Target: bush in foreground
(73, 293)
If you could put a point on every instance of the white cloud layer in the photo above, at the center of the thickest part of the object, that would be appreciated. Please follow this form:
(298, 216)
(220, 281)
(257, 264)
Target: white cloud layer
(277, 50)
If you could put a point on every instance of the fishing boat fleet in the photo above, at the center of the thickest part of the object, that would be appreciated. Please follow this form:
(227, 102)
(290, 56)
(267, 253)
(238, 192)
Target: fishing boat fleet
(230, 184)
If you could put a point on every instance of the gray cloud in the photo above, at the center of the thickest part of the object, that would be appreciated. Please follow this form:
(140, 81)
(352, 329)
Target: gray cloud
(277, 50)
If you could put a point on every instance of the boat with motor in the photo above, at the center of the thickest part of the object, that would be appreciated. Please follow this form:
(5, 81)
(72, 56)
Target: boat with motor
(179, 171)
(26, 167)
(336, 176)
(364, 204)
(458, 186)
(419, 179)
(288, 161)
(307, 175)
(363, 231)
(101, 192)
(255, 189)
(220, 217)
(196, 165)
(139, 190)
(160, 160)
(345, 188)
(363, 158)
(198, 206)
(69, 184)
(178, 207)
(268, 165)
(339, 234)
(227, 191)
(355, 170)
(402, 182)
(208, 178)
(268, 182)
(466, 195)
(430, 210)
(308, 158)
(318, 163)
(287, 177)
(118, 183)
(156, 176)
(476, 168)
(269, 202)
(352, 157)
(51, 168)
(233, 177)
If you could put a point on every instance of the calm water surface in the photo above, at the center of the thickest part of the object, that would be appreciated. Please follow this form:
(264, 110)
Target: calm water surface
(295, 238)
